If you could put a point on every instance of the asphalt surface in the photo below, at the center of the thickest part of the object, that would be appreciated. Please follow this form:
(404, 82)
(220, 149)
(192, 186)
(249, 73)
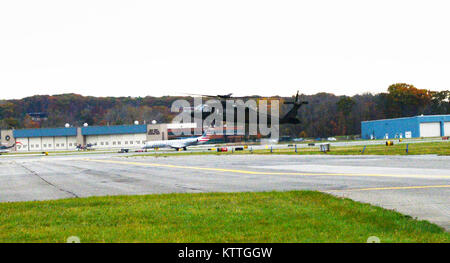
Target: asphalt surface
(418, 186)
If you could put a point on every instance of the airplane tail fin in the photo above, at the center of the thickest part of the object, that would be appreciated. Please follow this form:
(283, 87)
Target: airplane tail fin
(205, 137)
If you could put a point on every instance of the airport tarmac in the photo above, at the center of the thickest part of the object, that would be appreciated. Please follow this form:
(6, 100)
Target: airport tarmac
(418, 186)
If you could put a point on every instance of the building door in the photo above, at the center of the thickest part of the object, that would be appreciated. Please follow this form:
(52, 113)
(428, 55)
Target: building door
(447, 128)
(430, 129)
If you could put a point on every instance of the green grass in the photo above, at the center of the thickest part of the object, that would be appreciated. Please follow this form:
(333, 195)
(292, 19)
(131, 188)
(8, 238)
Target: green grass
(439, 148)
(297, 216)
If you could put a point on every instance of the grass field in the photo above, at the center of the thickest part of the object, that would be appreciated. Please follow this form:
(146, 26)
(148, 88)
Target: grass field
(297, 216)
(439, 148)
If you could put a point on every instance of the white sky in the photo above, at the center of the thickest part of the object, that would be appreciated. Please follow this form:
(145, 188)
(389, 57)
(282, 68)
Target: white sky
(140, 48)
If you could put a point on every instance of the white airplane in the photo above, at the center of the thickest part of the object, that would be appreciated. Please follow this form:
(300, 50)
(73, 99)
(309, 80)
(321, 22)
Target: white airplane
(5, 149)
(177, 144)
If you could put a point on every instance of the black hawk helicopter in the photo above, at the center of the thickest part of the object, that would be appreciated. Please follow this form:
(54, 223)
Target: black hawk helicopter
(205, 110)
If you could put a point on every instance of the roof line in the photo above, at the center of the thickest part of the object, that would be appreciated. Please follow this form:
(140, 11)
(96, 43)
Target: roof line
(412, 117)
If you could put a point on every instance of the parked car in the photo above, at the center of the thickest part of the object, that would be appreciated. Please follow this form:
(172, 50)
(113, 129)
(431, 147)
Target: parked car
(331, 139)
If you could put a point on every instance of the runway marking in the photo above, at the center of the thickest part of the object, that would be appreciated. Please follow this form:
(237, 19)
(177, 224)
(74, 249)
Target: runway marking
(391, 188)
(261, 172)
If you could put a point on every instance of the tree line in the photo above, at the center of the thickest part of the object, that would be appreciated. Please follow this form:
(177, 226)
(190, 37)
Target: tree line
(325, 115)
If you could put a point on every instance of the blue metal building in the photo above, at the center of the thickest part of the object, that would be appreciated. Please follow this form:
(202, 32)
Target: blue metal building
(110, 130)
(409, 127)
(47, 132)
(102, 137)
(50, 139)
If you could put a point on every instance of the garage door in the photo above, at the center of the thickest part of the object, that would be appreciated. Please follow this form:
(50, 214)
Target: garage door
(430, 129)
(447, 128)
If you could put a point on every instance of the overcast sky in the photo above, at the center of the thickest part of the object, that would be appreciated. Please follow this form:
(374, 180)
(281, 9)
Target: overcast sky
(140, 48)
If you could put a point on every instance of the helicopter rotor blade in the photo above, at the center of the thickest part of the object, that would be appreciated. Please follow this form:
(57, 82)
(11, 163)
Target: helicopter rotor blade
(225, 96)
(201, 95)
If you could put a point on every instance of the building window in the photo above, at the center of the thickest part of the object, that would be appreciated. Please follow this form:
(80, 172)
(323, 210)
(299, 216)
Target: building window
(70, 144)
(131, 142)
(45, 145)
(102, 143)
(106, 143)
(57, 145)
(49, 146)
(119, 143)
(114, 143)
(62, 144)
(126, 142)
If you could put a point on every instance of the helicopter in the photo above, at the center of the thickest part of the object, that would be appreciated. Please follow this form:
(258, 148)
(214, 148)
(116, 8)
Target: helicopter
(205, 110)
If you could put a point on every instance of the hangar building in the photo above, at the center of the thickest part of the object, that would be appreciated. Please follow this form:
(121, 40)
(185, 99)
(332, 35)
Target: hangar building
(54, 139)
(103, 137)
(409, 127)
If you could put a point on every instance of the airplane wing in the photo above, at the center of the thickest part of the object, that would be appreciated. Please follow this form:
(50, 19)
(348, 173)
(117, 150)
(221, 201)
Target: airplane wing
(177, 145)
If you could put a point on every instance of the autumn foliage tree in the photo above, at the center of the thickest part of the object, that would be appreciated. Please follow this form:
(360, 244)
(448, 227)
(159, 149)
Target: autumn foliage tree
(404, 100)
